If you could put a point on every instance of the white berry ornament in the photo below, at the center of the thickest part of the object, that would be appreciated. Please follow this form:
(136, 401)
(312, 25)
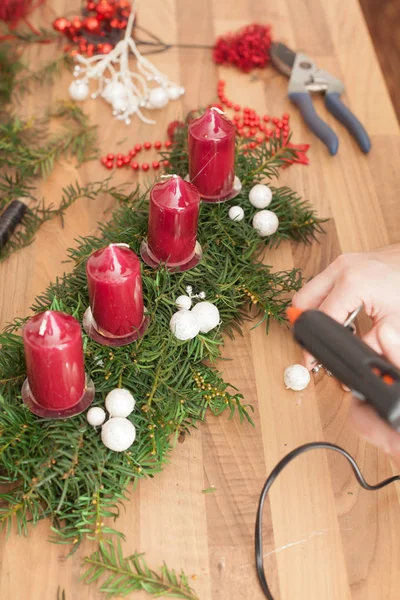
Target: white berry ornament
(236, 213)
(158, 98)
(183, 302)
(184, 325)
(265, 222)
(96, 416)
(78, 90)
(207, 316)
(118, 434)
(120, 402)
(296, 377)
(260, 196)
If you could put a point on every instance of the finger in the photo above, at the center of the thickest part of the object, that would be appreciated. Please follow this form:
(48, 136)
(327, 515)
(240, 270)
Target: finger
(376, 431)
(342, 300)
(315, 291)
(388, 333)
(371, 339)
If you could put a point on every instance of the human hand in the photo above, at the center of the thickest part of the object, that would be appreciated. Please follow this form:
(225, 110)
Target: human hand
(371, 279)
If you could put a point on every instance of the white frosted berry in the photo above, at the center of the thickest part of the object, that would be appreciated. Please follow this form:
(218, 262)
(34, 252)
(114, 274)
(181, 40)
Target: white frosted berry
(260, 196)
(184, 325)
(118, 434)
(96, 416)
(183, 302)
(158, 98)
(120, 402)
(236, 213)
(265, 222)
(78, 90)
(296, 377)
(207, 316)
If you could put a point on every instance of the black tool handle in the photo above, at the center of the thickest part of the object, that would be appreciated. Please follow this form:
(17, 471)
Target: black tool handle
(314, 122)
(348, 119)
(10, 218)
(353, 362)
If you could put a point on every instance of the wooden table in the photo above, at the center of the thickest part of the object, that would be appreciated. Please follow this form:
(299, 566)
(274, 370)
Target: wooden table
(324, 538)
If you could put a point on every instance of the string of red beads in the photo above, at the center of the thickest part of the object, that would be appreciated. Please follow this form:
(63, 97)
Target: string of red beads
(249, 124)
(120, 160)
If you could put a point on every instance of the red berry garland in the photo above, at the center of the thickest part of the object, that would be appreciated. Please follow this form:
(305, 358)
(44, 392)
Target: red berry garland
(247, 49)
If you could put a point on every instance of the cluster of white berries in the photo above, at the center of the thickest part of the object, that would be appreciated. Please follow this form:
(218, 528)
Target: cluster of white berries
(265, 222)
(189, 322)
(126, 91)
(118, 433)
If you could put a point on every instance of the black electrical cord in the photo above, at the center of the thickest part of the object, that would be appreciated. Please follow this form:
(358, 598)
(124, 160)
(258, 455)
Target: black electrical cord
(267, 486)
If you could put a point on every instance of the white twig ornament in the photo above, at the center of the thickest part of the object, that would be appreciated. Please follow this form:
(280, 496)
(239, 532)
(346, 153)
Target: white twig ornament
(265, 222)
(118, 434)
(296, 377)
(127, 91)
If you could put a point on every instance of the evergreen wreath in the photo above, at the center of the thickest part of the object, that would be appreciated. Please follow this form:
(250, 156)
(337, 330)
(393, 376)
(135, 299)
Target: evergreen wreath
(60, 469)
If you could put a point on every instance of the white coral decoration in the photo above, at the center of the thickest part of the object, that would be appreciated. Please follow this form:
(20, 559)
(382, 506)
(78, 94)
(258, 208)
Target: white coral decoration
(127, 91)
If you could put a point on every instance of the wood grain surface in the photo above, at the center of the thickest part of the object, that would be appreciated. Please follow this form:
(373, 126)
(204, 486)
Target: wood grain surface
(325, 539)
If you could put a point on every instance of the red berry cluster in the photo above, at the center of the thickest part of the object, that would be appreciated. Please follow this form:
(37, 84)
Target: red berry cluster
(247, 49)
(98, 29)
(251, 125)
(127, 160)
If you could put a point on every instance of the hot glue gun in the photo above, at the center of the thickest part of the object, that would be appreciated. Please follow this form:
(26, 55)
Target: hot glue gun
(349, 359)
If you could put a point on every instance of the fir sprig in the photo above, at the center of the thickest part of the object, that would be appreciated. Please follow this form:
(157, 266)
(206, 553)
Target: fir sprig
(26, 147)
(131, 574)
(45, 75)
(60, 469)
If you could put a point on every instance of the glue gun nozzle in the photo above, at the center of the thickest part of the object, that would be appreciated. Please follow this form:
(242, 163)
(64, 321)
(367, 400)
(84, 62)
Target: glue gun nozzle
(293, 314)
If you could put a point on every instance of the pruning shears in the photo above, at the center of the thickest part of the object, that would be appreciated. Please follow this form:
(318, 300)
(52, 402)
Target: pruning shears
(306, 77)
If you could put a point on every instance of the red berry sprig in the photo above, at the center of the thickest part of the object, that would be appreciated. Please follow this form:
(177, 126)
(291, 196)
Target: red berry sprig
(98, 29)
(120, 160)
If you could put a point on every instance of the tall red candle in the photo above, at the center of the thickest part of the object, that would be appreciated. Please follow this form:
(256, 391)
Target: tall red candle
(115, 290)
(173, 216)
(211, 146)
(54, 360)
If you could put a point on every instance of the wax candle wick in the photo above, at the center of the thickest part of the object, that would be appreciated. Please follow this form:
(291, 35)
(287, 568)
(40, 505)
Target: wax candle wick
(221, 112)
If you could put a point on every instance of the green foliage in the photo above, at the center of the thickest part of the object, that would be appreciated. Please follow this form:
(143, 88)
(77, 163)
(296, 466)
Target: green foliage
(131, 574)
(39, 214)
(60, 469)
(45, 75)
(27, 148)
(10, 66)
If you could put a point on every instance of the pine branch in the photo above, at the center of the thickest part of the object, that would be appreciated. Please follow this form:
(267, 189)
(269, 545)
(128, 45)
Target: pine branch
(45, 75)
(131, 574)
(24, 145)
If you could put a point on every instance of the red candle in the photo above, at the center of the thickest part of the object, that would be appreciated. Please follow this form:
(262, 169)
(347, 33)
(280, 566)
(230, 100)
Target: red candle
(173, 216)
(54, 360)
(115, 290)
(211, 145)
